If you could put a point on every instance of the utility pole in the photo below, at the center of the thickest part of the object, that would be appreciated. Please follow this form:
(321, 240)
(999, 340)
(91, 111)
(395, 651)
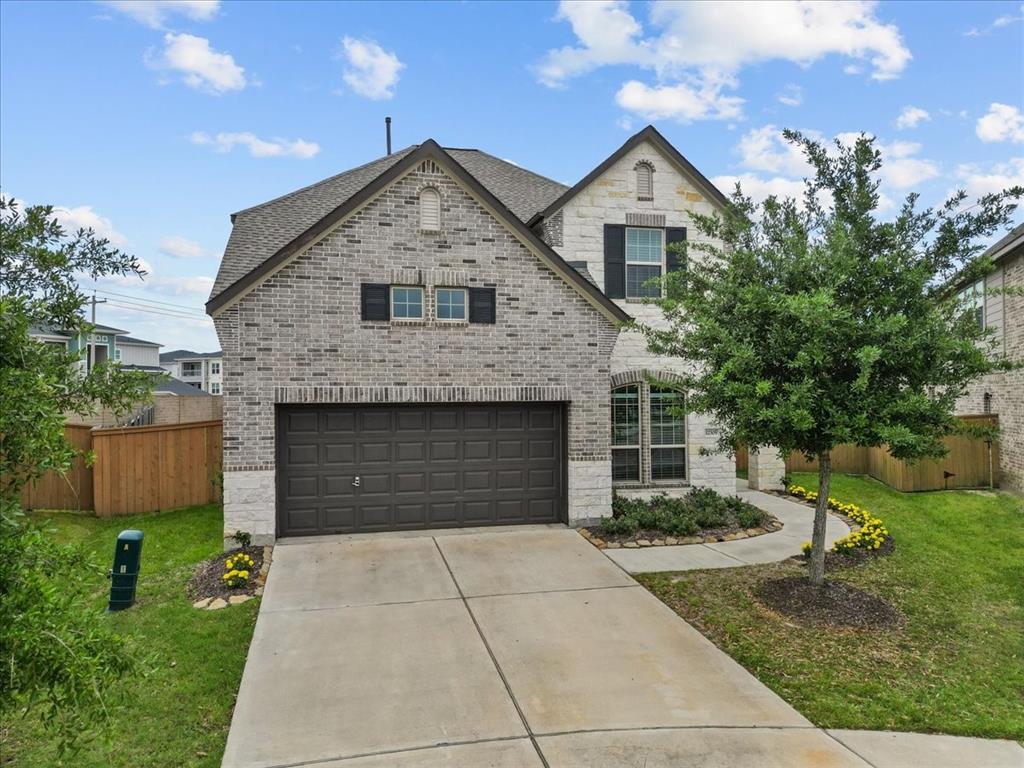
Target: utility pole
(92, 334)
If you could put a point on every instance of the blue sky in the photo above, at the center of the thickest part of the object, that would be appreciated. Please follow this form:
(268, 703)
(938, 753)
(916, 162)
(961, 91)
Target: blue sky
(153, 121)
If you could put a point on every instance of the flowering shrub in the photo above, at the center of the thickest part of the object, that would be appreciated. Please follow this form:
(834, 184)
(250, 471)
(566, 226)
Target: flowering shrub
(872, 533)
(806, 548)
(237, 569)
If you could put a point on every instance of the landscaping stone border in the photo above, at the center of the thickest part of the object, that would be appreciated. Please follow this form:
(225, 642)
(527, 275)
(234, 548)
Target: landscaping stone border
(216, 603)
(772, 526)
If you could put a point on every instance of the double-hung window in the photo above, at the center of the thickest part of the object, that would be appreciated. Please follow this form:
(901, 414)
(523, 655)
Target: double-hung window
(451, 304)
(406, 302)
(645, 257)
(668, 435)
(972, 299)
(626, 434)
(215, 368)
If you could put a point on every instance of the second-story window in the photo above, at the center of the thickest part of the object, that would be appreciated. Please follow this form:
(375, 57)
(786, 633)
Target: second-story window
(645, 254)
(215, 368)
(972, 299)
(644, 181)
(406, 302)
(430, 210)
(451, 304)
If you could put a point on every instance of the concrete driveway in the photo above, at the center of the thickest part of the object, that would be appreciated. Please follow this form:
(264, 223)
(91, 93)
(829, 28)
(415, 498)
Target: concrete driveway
(514, 647)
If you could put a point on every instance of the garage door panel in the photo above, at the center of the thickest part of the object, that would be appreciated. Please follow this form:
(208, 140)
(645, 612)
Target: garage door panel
(418, 466)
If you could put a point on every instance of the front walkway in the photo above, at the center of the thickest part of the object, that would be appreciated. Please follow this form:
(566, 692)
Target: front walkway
(797, 522)
(521, 647)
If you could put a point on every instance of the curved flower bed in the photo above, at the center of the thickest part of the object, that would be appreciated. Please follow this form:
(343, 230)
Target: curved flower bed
(869, 534)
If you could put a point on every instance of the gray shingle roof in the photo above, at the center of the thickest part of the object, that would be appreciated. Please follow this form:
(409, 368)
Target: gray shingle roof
(133, 340)
(173, 386)
(186, 354)
(259, 232)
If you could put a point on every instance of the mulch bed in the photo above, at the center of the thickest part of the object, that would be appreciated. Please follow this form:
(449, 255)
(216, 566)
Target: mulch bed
(658, 537)
(854, 557)
(208, 578)
(834, 604)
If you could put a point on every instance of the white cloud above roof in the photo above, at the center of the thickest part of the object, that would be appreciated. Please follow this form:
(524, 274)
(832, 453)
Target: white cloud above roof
(200, 66)
(225, 142)
(911, 117)
(84, 217)
(371, 72)
(153, 13)
(179, 247)
(1002, 122)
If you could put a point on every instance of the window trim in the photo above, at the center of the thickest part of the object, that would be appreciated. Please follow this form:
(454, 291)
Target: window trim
(663, 266)
(423, 303)
(644, 435)
(465, 305)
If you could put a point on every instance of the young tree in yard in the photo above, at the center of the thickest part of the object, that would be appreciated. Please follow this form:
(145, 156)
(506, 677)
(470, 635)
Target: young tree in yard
(56, 652)
(821, 323)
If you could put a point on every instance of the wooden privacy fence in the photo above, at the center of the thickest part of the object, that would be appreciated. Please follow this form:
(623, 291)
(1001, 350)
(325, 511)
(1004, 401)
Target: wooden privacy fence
(70, 491)
(970, 463)
(139, 469)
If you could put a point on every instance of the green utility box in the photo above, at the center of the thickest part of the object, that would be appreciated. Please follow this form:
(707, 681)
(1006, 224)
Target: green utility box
(125, 573)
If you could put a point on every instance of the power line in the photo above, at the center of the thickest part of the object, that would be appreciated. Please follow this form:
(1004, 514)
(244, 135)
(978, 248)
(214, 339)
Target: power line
(164, 309)
(155, 311)
(145, 298)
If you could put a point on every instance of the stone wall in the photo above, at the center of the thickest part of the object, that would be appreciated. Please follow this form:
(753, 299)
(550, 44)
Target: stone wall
(577, 233)
(1005, 313)
(298, 337)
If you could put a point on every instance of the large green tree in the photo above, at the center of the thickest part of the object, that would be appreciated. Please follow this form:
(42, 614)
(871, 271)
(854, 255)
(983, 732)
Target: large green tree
(56, 652)
(813, 323)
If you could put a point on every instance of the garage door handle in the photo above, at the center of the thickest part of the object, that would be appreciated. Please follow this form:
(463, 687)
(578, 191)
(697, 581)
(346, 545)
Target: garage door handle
(355, 482)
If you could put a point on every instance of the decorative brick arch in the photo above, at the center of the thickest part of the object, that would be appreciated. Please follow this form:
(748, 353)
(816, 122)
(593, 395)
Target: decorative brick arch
(643, 375)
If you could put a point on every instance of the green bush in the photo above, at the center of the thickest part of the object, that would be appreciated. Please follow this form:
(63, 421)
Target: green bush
(700, 509)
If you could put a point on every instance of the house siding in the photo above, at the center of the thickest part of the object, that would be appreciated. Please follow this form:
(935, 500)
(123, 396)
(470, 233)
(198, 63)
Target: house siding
(1005, 314)
(298, 338)
(576, 231)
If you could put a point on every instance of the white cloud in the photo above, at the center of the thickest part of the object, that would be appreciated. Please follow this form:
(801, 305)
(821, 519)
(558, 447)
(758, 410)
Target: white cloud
(153, 13)
(759, 189)
(372, 72)
(911, 117)
(705, 45)
(792, 96)
(1002, 123)
(180, 247)
(84, 217)
(978, 180)
(765, 149)
(679, 102)
(225, 142)
(900, 169)
(201, 67)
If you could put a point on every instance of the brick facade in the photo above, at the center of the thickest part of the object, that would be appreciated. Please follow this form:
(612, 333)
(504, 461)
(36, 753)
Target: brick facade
(298, 337)
(576, 231)
(1005, 313)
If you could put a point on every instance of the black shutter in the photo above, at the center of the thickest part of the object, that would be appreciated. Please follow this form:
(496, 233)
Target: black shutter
(376, 301)
(481, 305)
(615, 261)
(673, 259)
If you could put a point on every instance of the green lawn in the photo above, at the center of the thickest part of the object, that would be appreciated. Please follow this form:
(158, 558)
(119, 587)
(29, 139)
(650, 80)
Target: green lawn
(956, 667)
(178, 713)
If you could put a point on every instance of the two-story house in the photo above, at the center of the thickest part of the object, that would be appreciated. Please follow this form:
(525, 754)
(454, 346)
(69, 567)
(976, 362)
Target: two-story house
(203, 370)
(999, 304)
(435, 339)
(104, 343)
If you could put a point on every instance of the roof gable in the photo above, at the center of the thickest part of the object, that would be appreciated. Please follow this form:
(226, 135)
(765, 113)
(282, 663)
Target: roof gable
(432, 151)
(651, 135)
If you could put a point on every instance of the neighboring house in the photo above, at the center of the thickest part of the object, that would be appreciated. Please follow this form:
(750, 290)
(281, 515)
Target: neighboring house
(434, 339)
(1002, 393)
(138, 354)
(98, 346)
(202, 370)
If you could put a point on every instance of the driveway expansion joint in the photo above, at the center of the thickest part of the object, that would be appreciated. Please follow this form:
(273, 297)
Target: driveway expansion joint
(494, 659)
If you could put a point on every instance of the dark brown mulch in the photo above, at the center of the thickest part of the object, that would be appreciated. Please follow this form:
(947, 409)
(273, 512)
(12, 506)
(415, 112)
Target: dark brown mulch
(834, 604)
(208, 578)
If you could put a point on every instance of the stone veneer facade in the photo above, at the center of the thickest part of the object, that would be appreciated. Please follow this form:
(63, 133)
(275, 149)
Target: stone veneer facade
(576, 231)
(1004, 313)
(298, 338)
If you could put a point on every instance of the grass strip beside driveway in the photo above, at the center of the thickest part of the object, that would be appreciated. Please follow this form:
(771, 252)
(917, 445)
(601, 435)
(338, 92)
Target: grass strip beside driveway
(957, 574)
(178, 712)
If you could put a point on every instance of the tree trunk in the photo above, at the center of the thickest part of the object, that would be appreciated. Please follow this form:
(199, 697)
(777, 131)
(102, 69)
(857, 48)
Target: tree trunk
(820, 519)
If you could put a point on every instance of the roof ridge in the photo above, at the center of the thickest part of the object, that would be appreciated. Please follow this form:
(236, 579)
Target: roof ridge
(395, 154)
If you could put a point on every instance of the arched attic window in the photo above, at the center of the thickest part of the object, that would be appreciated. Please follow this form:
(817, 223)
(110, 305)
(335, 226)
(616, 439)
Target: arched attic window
(644, 181)
(430, 209)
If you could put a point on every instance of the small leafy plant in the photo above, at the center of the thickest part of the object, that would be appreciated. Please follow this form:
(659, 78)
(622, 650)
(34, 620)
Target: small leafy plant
(244, 538)
(700, 509)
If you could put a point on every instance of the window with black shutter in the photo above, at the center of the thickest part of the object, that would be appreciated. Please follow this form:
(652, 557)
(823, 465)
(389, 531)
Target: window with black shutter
(482, 305)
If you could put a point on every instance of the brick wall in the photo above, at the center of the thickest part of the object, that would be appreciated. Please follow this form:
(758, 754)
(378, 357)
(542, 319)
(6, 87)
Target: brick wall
(298, 337)
(172, 409)
(1006, 314)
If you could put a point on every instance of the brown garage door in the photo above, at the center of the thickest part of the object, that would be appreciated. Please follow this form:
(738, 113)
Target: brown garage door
(347, 469)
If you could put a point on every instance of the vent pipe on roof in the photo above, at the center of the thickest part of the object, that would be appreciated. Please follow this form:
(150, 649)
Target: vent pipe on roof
(387, 130)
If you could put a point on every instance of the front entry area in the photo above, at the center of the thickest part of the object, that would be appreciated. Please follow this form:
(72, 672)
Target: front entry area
(366, 468)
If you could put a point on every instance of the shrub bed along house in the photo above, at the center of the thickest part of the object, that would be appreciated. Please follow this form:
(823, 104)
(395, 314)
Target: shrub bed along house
(701, 515)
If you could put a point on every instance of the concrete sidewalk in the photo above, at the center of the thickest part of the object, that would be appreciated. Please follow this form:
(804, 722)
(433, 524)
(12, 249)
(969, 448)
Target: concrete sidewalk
(797, 522)
(523, 647)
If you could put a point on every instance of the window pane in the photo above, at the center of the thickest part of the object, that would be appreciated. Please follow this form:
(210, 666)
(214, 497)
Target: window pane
(643, 245)
(668, 463)
(626, 464)
(451, 304)
(626, 416)
(407, 303)
(636, 279)
(666, 429)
